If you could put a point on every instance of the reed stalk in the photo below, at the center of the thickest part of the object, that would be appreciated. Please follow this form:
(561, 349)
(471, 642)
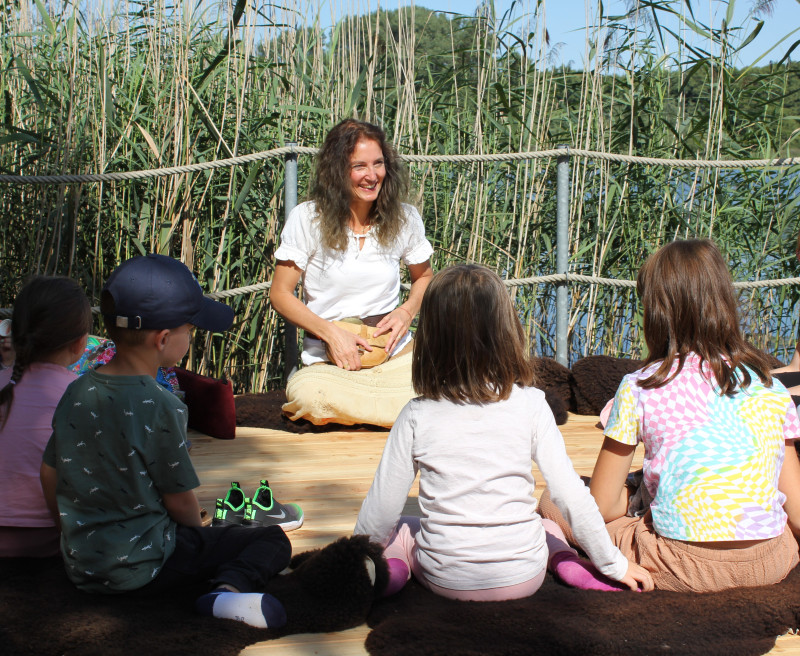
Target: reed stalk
(123, 86)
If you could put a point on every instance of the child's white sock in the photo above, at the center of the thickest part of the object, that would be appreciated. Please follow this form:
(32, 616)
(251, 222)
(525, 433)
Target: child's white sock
(254, 608)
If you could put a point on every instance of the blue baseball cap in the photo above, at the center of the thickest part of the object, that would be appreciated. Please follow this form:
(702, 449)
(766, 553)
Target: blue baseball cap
(156, 292)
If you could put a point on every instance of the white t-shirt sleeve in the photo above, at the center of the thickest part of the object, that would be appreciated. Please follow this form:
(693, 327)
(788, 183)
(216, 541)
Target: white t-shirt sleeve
(396, 472)
(418, 249)
(572, 497)
(298, 237)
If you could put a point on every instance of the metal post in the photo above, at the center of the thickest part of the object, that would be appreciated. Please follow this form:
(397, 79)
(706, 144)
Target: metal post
(562, 257)
(289, 203)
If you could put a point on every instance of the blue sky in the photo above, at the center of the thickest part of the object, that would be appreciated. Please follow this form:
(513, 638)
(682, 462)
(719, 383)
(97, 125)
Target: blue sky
(566, 22)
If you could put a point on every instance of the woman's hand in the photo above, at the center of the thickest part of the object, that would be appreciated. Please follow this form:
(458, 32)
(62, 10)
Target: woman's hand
(638, 578)
(397, 323)
(343, 347)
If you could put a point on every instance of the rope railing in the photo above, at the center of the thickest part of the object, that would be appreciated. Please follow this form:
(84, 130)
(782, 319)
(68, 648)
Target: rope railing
(120, 176)
(563, 154)
(515, 282)
(533, 280)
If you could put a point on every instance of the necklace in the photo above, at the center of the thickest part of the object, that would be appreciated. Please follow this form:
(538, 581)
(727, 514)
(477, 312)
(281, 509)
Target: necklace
(361, 235)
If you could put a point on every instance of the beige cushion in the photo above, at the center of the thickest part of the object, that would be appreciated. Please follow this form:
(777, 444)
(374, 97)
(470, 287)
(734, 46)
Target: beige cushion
(325, 394)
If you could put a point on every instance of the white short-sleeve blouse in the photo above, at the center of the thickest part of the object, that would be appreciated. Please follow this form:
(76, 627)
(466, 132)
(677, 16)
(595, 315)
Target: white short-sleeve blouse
(353, 283)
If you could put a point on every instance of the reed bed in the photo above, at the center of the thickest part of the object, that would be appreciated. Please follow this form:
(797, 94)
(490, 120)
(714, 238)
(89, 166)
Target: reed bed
(150, 83)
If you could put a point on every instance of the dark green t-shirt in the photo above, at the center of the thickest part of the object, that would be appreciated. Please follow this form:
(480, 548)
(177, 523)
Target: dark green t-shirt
(118, 444)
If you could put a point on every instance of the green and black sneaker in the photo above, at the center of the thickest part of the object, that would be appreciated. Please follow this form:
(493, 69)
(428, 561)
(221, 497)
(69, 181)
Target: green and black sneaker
(230, 511)
(264, 510)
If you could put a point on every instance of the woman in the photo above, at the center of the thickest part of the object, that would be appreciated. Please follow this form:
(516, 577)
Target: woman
(347, 243)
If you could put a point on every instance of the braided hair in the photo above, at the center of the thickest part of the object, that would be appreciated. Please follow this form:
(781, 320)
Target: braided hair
(49, 313)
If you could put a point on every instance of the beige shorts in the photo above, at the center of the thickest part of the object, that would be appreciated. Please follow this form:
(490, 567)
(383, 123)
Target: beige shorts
(686, 567)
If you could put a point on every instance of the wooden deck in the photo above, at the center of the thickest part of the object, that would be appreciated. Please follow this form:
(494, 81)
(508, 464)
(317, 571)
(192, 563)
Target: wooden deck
(329, 474)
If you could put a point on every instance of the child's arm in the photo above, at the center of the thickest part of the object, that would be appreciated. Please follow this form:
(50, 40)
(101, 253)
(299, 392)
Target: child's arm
(183, 508)
(789, 484)
(49, 478)
(608, 479)
(394, 477)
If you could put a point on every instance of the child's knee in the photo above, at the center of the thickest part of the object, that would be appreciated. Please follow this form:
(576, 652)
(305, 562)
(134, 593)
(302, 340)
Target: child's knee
(279, 540)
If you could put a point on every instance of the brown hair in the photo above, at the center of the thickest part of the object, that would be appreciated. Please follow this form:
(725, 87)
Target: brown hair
(120, 336)
(330, 186)
(49, 313)
(469, 344)
(690, 305)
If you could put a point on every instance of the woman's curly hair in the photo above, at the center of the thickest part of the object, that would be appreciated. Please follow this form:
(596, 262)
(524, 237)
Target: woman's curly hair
(330, 187)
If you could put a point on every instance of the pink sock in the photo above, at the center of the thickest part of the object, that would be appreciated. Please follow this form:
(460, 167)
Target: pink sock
(398, 576)
(580, 573)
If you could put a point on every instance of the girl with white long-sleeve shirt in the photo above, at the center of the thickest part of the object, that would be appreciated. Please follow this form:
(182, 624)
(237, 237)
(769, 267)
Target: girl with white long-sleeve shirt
(471, 436)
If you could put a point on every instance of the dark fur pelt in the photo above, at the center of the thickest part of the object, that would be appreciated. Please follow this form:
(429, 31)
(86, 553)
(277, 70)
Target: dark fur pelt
(556, 381)
(264, 411)
(557, 406)
(329, 589)
(596, 379)
(557, 621)
(584, 390)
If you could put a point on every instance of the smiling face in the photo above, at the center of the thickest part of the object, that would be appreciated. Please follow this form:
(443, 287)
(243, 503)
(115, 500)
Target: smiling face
(367, 171)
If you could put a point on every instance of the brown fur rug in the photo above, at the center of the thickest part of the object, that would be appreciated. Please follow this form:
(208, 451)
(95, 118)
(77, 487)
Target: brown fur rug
(559, 620)
(42, 613)
(264, 411)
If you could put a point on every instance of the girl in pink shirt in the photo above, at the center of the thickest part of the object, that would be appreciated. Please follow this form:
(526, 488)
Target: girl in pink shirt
(52, 318)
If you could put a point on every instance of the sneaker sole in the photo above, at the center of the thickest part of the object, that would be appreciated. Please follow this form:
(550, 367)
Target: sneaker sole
(286, 526)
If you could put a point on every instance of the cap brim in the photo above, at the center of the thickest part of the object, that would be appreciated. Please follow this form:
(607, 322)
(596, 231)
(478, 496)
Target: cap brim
(214, 316)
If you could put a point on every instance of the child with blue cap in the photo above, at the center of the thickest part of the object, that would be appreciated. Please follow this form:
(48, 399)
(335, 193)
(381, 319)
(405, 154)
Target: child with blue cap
(116, 472)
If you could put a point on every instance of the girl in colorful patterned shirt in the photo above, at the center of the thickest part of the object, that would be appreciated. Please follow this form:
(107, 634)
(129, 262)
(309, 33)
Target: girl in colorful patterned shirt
(715, 427)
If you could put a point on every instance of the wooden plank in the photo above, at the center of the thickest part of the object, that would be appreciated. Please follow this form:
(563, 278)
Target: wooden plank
(329, 474)
(343, 643)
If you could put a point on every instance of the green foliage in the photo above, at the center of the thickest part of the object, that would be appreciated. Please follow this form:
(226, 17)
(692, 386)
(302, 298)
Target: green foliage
(168, 84)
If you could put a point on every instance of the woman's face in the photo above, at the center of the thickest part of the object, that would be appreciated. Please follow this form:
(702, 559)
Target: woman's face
(367, 171)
